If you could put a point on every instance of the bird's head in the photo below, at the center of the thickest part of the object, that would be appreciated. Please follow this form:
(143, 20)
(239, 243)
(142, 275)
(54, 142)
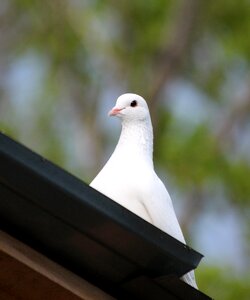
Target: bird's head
(130, 107)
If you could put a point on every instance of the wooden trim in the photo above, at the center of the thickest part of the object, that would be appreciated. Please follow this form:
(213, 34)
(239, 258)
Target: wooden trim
(42, 268)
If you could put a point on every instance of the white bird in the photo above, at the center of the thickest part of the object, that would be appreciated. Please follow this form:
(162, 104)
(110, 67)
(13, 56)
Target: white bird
(129, 178)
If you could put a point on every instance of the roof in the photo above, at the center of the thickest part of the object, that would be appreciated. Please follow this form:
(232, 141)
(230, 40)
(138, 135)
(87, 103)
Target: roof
(63, 218)
(26, 274)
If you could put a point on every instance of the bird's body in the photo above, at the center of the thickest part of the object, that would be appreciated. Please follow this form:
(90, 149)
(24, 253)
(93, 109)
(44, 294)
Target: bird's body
(129, 177)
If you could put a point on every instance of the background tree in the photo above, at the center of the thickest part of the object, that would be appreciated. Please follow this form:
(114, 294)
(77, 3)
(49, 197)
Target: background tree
(62, 65)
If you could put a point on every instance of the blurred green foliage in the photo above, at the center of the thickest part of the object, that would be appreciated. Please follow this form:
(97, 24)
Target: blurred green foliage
(224, 284)
(80, 55)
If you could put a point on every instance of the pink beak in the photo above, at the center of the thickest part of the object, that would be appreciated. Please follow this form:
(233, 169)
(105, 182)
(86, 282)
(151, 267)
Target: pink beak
(114, 111)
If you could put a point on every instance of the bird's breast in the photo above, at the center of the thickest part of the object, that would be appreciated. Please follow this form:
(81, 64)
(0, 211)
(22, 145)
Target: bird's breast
(124, 183)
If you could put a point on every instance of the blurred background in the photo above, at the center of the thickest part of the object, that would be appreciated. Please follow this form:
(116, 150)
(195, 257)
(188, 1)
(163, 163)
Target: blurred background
(63, 63)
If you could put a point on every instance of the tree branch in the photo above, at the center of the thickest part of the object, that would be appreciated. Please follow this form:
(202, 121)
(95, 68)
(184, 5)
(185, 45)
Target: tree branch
(239, 113)
(177, 47)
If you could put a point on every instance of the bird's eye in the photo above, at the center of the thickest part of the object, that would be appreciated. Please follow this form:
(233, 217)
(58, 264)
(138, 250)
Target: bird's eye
(133, 103)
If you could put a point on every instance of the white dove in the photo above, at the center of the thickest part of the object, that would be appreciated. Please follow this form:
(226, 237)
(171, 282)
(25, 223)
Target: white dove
(129, 178)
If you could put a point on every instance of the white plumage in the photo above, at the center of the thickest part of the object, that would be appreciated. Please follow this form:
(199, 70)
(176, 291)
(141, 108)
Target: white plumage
(129, 177)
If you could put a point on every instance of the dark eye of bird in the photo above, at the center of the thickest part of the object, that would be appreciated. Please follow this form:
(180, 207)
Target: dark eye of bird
(133, 103)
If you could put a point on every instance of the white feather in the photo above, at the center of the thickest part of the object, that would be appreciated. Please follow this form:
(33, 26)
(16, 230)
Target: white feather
(129, 177)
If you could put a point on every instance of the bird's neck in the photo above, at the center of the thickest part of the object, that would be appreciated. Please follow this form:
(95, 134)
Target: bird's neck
(136, 140)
